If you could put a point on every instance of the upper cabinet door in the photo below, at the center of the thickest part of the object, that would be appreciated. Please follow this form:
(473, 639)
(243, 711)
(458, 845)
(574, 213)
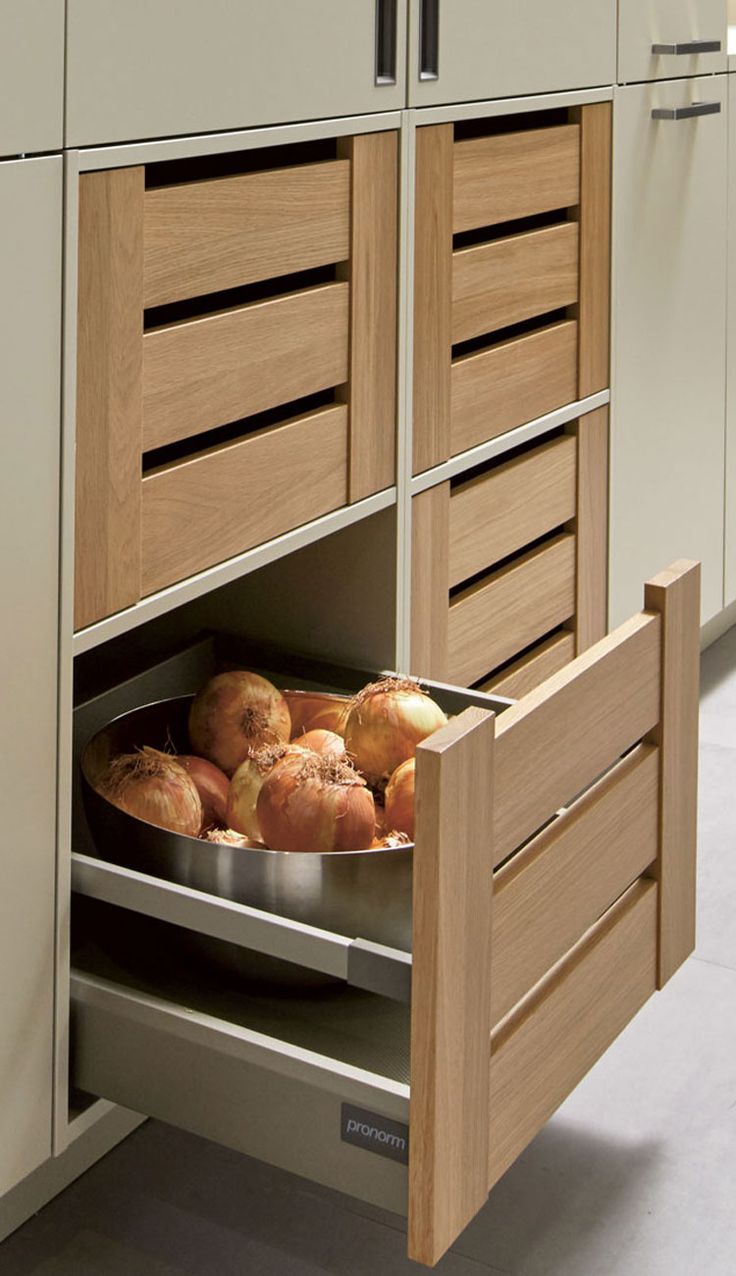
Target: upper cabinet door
(155, 68)
(467, 50)
(664, 39)
(31, 75)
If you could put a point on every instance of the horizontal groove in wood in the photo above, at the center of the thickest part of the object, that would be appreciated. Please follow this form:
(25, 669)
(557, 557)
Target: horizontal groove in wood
(202, 511)
(211, 371)
(497, 514)
(540, 1055)
(202, 237)
(513, 175)
(506, 611)
(516, 381)
(512, 279)
(549, 894)
(517, 679)
(559, 738)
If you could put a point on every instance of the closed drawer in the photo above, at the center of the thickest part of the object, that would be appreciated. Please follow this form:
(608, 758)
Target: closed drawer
(544, 658)
(668, 39)
(31, 76)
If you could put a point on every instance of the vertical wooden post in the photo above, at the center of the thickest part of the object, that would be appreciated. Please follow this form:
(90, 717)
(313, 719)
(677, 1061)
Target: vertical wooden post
(451, 973)
(432, 296)
(675, 594)
(595, 248)
(591, 529)
(430, 598)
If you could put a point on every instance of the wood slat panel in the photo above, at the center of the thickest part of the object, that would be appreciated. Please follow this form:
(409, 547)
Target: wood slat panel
(109, 380)
(429, 581)
(507, 611)
(226, 500)
(675, 594)
(511, 383)
(201, 237)
(512, 279)
(432, 296)
(539, 1057)
(595, 247)
(228, 365)
(525, 674)
(498, 513)
(450, 1002)
(512, 175)
(561, 737)
(553, 890)
(373, 308)
(591, 613)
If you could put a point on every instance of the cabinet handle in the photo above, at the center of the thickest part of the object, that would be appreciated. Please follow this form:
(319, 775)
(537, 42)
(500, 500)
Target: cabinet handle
(385, 42)
(429, 40)
(686, 112)
(689, 46)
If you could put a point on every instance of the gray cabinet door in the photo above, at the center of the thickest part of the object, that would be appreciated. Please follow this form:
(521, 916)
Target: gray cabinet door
(31, 75)
(730, 563)
(684, 32)
(506, 48)
(156, 68)
(668, 376)
(30, 287)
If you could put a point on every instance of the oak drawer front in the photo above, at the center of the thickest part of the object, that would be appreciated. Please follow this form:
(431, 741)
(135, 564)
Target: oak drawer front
(670, 39)
(492, 620)
(513, 175)
(540, 662)
(499, 513)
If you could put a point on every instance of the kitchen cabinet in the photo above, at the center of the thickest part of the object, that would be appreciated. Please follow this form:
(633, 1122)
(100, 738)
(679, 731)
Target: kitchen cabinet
(669, 39)
(730, 513)
(31, 75)
(669, 303)
(30, 355)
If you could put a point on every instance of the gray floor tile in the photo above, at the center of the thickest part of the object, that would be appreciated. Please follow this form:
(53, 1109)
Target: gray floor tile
(716, 935)
(718, 692)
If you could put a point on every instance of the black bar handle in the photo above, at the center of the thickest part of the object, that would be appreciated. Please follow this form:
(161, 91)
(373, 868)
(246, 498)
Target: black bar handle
(429, 40)
(386, 41)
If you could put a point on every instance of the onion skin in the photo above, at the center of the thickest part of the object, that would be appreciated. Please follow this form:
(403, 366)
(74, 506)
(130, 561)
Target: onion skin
(400, 799)
(326, 744)
(312, 804)
(312, 709)
(212, 786)
(392, 841)
(234, 713)
(241, 815)
(229, 837)
(155, 788)
(386, 722)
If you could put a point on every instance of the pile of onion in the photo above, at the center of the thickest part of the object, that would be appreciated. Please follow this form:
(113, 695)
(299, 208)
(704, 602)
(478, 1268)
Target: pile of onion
(156, 788)
(246, 784)
(316, 709)
(310, 803)
(385, 723)
(234, 713)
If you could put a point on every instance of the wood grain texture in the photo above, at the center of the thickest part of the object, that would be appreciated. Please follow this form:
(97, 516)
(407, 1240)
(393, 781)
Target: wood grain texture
(500, 512)
(594, 217)
(560, 883)
(555, 1037)
(512, 279)
(201, 237)
(430, 513)
(526, 673)
(557, 740)
(675, 595)
(512, 175)
(373, 274)
(451, 973)
(109, 381)
(432, 296)
(499, 616)
(210, 371)
(591, 525)
(512, 382)
(225, 500)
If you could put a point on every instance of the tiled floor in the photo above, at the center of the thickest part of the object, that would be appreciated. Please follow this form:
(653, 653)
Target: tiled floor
(635, 1176)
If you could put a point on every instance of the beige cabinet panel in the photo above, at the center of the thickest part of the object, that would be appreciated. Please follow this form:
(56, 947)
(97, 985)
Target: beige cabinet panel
(153, 68)
(31, 75)
(30, 284)
(677, 25)
(668, 383)
(508, 48)
(730, 556)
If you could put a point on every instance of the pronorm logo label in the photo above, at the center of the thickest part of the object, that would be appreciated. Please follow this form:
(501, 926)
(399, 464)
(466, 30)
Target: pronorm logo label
(375, 1133)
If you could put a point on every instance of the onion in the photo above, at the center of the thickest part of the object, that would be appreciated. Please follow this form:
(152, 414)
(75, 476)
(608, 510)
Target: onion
(234, 713)
(212, 786)
(154, 787)
(386, 722)
(400, 798)
(327, 744)
(229, 837)
(311, 709)
(246, 785)
(390, 841)
(312, 804)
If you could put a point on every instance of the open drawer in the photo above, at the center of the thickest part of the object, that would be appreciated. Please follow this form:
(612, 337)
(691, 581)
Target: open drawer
(553, 892)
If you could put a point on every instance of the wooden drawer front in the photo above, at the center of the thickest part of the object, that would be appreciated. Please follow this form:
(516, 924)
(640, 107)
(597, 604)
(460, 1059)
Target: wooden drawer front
(512, 382)
(235, 363)
(499, 513)
(513, 175)
(549, 1044)
(523, 675)
(232, 497)
(205, 236)
(492, 620)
